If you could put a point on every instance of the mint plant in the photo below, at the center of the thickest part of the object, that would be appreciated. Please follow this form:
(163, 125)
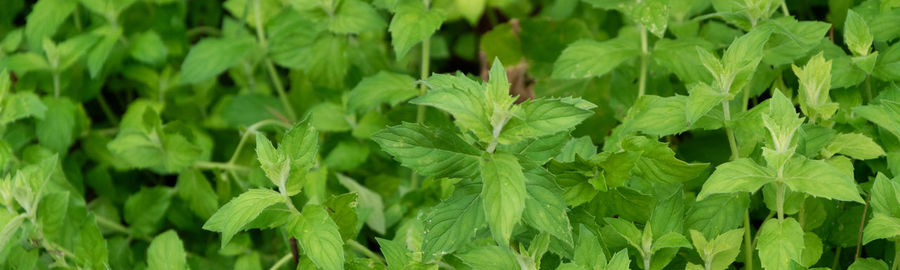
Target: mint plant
(449, 134)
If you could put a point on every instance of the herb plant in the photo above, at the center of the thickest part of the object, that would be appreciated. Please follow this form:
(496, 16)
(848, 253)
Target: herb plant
(450, 134)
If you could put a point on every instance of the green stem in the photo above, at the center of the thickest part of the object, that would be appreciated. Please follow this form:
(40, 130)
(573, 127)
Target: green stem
(220, 166)
(273, 73)
(779, 200)
(837, 258)
(280, 262)
(647, 262)
(420, 110)
(252, 130)
(784, 9)
(645, 53)
(732, 142)
(364, 250)
(106, 110)
(862, 223)
(115, 226)
(868, 89)
(56, 87)
(748, 241)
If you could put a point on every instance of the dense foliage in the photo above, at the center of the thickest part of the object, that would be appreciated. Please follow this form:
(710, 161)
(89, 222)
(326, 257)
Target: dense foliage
(450, 134)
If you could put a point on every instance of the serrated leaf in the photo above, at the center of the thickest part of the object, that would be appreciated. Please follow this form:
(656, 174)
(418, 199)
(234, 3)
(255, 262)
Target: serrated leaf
(854, 145)
(742, 175)
(354, 16)
(240, 211)
(881, 226)
(395, 254)
(412, 23)
(780, 243)
(145, 209)
(542, 117)
(451, 224)
(193, 188)
(817, 178)
(148, 47)
(431, 152)
(384, 87)
(588, 58)
(545, 208)
(856, 34)
(490, 257)
(45, 17)
(464, 99)
(319, 237)
(166, 252)
(371, 207)
(21, 105)
(503, 193)
(212, 56)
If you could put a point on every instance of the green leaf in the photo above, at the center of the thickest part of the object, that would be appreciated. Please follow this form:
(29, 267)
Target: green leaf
(412, 23)
(717, 213)
(148, 47)
(721, 251)
(212, 56)
(854, 145)
(430, 152)
(868, 264)
(21, 105)
(355, 16)
(451, 224)
(491, 257)
(329, 117)
(45, 17)
(881, 226)
(319, 237)
(145, 209)
(815, 83)
(97, 57)
(371, 207)
(885, 196)
(503, 193)
(464, 99)
(886, 67)
(780, 243)
(26, 62)
(588, 58)
(56, 129)
(395, 254)
(240, 211)
(820, 179)
(653, 15)
(856, 34)
(681, 57)
(542, 117)
(11, 225)
(886, 115)
(588, 251)
(384, 87)
(670, 240)
(91, 247)
(657, 161)
(471, 10)
(545, 208)
(166, 252)
(658, 116)
(274, 163)
(742, 175)
(193, 188)
(627, 230)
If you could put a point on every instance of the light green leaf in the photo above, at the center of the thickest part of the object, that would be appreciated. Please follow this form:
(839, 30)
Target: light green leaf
(503, 193)
(319, 237)
(885, 196)
(90, 244)
(815, 83)
(355, 16)
(145, 209)
(657, 161)
(588, 251)
(670, 240)
(886, 115)
(780, 242)
(148, 47)
(868, 264)
(658, 116)
(461, 97)
(588, 58)
(887, 67)
(812, 250)
(627, 230)
(329, 117)
(166, 252)
(97, 57)
(854, 145)
(240, 211)
(742, 175)
(820, 179)
(395, 254)
(56, 129)
(681, 57)
(545, 208)
(491, 257)
(717, 213)
(856, 34)
(431, 152)
(21, 105)
(274, 163)
(371, 207)
(542, 117)
(453, 222)
(471, 10)
(384, 87)
(652, 14)
(881, 226)
(721, 251)
(412, 24)
(193, 188)
(212, 56)
(45, 17)
(11, 224)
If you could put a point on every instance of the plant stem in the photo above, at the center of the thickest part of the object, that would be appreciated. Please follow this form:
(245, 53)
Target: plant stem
(779, 199)
(420, 110)
(56, 88)
(784, 9)
(106, 110)
(868, 89)
(645, 53)
(748, 241)
(647, 262)
(896, 264)
(284, 259)
(220, 166)
(273, 73)
(364, 250)
(862, 223)
(732, 142)
(837, 258)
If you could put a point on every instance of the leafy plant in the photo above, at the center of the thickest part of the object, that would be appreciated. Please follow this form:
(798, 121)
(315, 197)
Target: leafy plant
(449, 134)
